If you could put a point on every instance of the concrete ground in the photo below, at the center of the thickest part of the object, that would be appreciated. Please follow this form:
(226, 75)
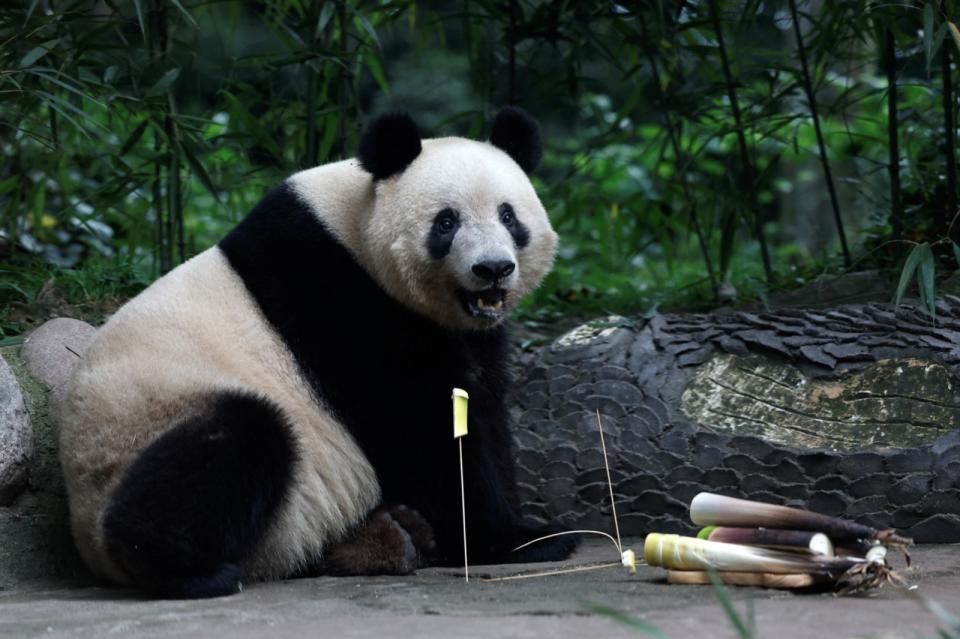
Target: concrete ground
(437, 603)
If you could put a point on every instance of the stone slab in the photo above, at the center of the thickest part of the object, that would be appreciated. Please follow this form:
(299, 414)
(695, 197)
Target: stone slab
(437, 603)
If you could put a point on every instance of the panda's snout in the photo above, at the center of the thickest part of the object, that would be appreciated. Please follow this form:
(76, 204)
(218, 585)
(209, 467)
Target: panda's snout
(493, 271)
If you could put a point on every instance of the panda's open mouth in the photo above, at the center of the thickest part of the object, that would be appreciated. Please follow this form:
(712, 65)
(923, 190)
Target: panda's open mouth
(488, 303)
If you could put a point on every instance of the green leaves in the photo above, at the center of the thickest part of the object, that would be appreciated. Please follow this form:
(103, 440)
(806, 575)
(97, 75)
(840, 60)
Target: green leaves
(920, 262)
(249, 124)
(164, 83)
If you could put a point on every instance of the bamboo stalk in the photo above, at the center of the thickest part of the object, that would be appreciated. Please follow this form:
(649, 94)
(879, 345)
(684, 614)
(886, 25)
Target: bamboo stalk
(824, 160)
(797, 540)
(512, 52)
(709, 509)
(950, 202)
(343, 78)
(681, 157)
(890, 67)
(310, 158)
(748, 171)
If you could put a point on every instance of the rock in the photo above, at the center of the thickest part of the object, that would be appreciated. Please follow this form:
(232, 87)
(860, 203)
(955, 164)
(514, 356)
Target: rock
(918, 460)
(859, 464)
(52, 351)
(910, 490)
(937, 529)
(831, 482)
(684, 473)
(817, 464)
(16, 437)
(832, 503)
(869, 504)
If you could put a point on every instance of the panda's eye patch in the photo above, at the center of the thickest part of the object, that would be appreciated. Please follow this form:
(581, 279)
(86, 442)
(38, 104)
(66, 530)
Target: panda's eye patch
(446, 221)
(508, 217)
(442, 232)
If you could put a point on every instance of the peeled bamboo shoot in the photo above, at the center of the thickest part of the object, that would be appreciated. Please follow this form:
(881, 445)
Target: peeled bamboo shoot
(689, 553)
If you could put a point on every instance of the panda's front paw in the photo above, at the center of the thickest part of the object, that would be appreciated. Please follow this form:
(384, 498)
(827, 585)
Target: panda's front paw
(393, 541)
(553, 548)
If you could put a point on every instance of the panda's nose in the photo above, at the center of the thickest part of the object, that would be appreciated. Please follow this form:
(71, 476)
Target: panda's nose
(493, 270)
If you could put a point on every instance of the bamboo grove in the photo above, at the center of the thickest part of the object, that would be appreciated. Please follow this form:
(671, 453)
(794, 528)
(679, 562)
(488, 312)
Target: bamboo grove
(694, 147)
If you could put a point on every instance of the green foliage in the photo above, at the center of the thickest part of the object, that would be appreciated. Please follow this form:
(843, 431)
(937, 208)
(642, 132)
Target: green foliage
(140, 132)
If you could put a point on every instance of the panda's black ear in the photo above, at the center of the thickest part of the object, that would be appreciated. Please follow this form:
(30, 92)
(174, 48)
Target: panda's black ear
(389, 145)
(514, 131)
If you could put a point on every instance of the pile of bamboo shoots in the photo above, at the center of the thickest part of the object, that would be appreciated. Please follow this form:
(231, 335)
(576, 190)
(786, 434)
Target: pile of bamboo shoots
(755, 544)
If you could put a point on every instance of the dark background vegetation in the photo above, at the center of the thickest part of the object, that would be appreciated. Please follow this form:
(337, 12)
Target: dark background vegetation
(698, 152)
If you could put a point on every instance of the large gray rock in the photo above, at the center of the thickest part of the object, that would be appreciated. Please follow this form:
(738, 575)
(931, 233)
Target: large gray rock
(52, 351)
(16, 436)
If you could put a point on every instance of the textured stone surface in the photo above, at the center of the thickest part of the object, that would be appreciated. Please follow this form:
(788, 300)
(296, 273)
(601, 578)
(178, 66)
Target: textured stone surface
(53, 350)
(863, 422)
(16, 436)
(436, 604)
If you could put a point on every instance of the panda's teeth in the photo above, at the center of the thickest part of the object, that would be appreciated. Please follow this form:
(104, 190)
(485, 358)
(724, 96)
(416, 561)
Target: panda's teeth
(480, 303)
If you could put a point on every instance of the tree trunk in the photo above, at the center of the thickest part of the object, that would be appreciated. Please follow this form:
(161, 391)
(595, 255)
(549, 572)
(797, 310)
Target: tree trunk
(852, 411)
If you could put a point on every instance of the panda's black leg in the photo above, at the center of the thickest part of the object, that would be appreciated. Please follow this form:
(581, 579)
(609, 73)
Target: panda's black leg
(392, 541)
(196, 501)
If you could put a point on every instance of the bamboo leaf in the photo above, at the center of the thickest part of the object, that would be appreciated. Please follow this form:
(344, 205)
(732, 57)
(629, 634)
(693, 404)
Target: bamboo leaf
(164, 83)
(325, 14)
(909, 268)
(32, 56)
(329, 135)
(373, 64)
(955, 33)
(925, 278)
(185, 13)
(33, 6)
(928, 34)
(139, 9)
(956, 253)
(724, 598)
(134, 137)
(366, 26)
(251, 124)
(197, 167)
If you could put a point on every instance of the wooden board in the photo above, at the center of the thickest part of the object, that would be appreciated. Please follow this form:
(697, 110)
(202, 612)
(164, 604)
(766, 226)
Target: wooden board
(758, 579)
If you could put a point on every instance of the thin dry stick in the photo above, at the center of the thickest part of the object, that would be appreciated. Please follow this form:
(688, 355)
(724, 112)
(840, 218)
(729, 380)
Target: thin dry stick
(606, 464)
(567, 532)
(463, 509)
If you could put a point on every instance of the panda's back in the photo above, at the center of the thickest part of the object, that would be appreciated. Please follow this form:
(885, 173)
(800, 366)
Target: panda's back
(194, 335)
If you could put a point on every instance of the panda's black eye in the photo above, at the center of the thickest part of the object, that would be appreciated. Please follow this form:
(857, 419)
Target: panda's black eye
(442, 232)
(446, 221)
(507, 216)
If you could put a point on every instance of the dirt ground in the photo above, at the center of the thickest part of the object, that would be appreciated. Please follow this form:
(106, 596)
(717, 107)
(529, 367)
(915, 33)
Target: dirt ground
(437, 603)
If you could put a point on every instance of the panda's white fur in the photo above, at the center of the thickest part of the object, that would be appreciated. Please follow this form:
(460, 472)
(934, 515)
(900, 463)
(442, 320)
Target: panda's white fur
(193, 332)
(474, 177)
(199, 332)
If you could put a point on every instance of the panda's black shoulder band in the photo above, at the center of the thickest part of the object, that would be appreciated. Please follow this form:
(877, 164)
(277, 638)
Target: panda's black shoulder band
(389, 145)
(514, 131)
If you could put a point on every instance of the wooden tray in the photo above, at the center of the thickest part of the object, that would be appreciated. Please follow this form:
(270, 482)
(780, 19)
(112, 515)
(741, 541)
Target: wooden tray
(758, 579)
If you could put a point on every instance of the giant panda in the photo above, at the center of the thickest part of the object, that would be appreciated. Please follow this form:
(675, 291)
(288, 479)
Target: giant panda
(279, 405)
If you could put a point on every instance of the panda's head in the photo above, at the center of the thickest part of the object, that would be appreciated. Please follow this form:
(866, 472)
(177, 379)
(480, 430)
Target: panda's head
(456, 232)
